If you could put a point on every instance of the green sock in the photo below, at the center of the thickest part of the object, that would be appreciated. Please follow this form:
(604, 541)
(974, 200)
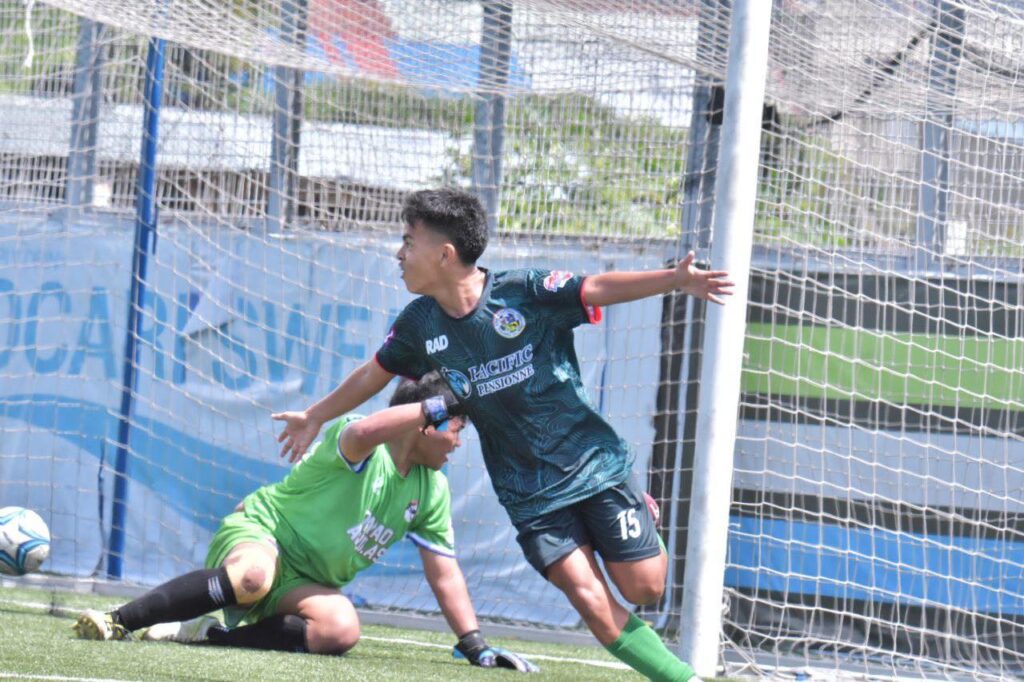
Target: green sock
(641, 649)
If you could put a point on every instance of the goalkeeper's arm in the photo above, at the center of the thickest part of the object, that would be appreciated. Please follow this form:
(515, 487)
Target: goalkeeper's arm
(449, 586)
(359, 438)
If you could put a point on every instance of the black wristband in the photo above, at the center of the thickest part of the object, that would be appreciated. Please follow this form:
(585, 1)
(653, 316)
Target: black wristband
(434, 410)
(471, 644)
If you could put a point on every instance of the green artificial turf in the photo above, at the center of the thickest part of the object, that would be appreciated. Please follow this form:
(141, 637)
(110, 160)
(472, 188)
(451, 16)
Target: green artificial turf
(37, 643)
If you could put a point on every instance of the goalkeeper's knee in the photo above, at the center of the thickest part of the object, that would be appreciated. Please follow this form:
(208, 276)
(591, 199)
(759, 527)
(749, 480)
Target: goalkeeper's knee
(251, 578)
(333, 634)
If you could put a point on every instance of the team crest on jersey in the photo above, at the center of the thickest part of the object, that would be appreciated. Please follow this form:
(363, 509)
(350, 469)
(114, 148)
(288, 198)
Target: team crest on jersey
(509, 323)
(557, 279)
(410, 511)
(458, 382)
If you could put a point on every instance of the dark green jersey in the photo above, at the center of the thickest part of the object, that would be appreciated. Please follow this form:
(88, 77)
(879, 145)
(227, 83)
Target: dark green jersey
(513, 364)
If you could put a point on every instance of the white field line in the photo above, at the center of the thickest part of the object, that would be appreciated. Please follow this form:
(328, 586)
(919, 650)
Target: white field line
(65, 611)
(540, 657)
(26, 676)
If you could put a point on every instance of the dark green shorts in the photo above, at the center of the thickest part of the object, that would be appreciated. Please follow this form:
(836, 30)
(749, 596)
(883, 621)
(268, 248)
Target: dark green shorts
(615, 522)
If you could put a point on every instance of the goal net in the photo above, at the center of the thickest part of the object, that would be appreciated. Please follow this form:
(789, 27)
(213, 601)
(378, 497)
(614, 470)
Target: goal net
(875, 520)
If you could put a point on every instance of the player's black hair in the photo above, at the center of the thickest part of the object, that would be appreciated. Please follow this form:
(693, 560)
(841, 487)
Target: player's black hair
(454, 213)
(409, 391)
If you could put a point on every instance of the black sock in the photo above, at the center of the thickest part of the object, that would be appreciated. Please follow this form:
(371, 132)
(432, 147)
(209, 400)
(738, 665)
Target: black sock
(280, 632)
(181, 598)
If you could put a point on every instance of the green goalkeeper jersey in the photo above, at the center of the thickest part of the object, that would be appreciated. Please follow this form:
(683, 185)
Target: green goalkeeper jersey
(512, 362)
(332, 519)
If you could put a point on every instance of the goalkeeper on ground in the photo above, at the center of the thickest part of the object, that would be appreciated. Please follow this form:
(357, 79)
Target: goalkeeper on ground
(503, 340)
(276, 564)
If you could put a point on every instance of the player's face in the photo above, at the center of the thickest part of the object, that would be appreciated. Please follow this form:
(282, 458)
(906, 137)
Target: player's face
(420, 258)
(433, 446)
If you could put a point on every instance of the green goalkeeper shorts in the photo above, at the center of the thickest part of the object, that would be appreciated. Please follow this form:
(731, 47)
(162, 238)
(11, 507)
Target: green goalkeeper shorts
(234, 530)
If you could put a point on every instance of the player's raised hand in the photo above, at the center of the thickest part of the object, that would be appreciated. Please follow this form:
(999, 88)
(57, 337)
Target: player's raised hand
(710, 285)
(299, 431)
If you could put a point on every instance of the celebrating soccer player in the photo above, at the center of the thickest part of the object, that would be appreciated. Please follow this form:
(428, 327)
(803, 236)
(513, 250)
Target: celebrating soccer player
(276, 563)
(503, 341)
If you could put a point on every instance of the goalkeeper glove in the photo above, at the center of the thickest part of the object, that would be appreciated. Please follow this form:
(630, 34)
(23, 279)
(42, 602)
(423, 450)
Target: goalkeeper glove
(440, 408)
(475, 649)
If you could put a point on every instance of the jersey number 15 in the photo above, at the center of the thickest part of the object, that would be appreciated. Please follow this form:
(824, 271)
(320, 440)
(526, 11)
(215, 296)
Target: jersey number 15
(629, 524)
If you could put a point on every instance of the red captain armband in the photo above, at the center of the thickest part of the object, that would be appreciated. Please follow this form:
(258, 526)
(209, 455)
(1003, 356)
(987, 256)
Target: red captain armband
(594, 314)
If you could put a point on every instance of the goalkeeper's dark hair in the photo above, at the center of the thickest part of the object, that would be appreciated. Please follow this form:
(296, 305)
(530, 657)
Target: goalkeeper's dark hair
(409, 391)
(454, 213)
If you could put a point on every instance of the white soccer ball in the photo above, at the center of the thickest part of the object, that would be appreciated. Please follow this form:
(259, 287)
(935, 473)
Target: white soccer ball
(24, 541)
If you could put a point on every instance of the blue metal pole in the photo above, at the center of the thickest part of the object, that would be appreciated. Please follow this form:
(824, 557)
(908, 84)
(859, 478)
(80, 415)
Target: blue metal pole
(145, 238)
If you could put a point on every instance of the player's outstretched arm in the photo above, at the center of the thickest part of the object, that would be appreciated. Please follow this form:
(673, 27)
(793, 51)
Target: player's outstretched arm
(608, 288)
(449, 586)
(300, 428)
